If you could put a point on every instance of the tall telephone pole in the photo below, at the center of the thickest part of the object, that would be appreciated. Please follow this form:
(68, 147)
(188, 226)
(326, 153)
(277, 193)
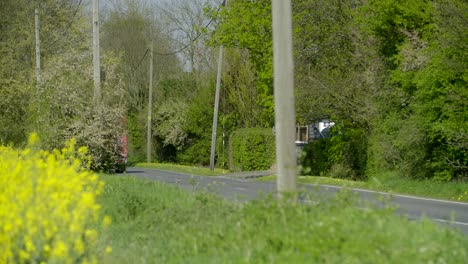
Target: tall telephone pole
(38, 49)
(283, 71)
(96, 55)
(216, 106)
(150, 107)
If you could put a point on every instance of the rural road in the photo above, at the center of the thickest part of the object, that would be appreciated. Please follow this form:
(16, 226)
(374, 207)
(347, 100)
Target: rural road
(450, 213)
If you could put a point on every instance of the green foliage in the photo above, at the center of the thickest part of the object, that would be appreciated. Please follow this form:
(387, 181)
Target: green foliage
(336, 71)
(14, 98)
(64, 108)
(101, 130)
(349, 150)
(343, 155)
(169, 225)
(197, 152)
(240, 99)
(136, 138)
(169, 123)
(128, 28)
(198, 127)
(441, 91)
(392, 21)
(315, 160)
(252, 149)
(17, 85)
(246, 25)
(399, 144)
(60, 106)
(424, 103)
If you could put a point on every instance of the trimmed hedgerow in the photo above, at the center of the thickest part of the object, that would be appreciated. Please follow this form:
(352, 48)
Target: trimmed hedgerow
(252, 149)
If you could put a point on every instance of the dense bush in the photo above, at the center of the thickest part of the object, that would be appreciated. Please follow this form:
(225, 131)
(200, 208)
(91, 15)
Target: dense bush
(65, 108)
(100, 129)
(343, 155)
(252, 149)
(197, 152)
(136, 138)
(47, 205)
(422, 129)
(315, 158)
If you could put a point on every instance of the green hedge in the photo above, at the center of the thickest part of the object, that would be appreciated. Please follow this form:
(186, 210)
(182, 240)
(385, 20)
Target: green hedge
(344, 155)
(251, 149)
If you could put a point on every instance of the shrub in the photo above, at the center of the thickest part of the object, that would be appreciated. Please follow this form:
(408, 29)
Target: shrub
(100, 129)
(196, 152)
(344, 155)
(349, 149)
(136, 139)
(65, 108)
(315, 160)
(47, 205)
(252, 149)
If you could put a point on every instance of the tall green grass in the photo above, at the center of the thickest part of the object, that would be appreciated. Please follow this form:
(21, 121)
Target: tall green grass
(156, 223)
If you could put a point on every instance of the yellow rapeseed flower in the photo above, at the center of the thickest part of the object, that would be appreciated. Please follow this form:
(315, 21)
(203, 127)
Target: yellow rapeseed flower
(79, 247)
(33, 139)
(60, 249)
(108, 250)
(107, 221)
(47, 197)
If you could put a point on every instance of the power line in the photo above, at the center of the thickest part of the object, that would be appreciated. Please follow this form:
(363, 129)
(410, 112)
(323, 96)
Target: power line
(196, 38)
(188, 45)
(69, 24)
(139, 63)
(183, 48)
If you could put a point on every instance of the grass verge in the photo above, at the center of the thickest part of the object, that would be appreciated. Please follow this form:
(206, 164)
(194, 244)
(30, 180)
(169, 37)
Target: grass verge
(199, 171)
(157, 223)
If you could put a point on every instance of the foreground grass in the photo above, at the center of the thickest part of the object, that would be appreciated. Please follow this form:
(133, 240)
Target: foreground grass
(156, 223)
(200, 171)
(392, 183)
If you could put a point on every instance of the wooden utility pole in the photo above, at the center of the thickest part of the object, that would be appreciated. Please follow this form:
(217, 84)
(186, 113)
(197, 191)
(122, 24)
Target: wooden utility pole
(216, 107)
(96, 55)
(38, 50)
(283, 70)
(150, 107)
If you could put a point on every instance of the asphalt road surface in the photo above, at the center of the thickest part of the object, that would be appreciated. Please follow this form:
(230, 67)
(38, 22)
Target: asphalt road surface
(454, 214)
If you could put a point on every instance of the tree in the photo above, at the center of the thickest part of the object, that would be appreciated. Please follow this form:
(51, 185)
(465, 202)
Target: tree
(423, 102)
(336, 70)
(188, 25)
(246, 25)
(129, 29)
(62, 27)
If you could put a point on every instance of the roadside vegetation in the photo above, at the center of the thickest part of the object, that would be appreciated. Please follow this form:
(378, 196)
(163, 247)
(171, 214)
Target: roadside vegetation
(48, 207)
(391, 74)
(157, 223)
(54, 210)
